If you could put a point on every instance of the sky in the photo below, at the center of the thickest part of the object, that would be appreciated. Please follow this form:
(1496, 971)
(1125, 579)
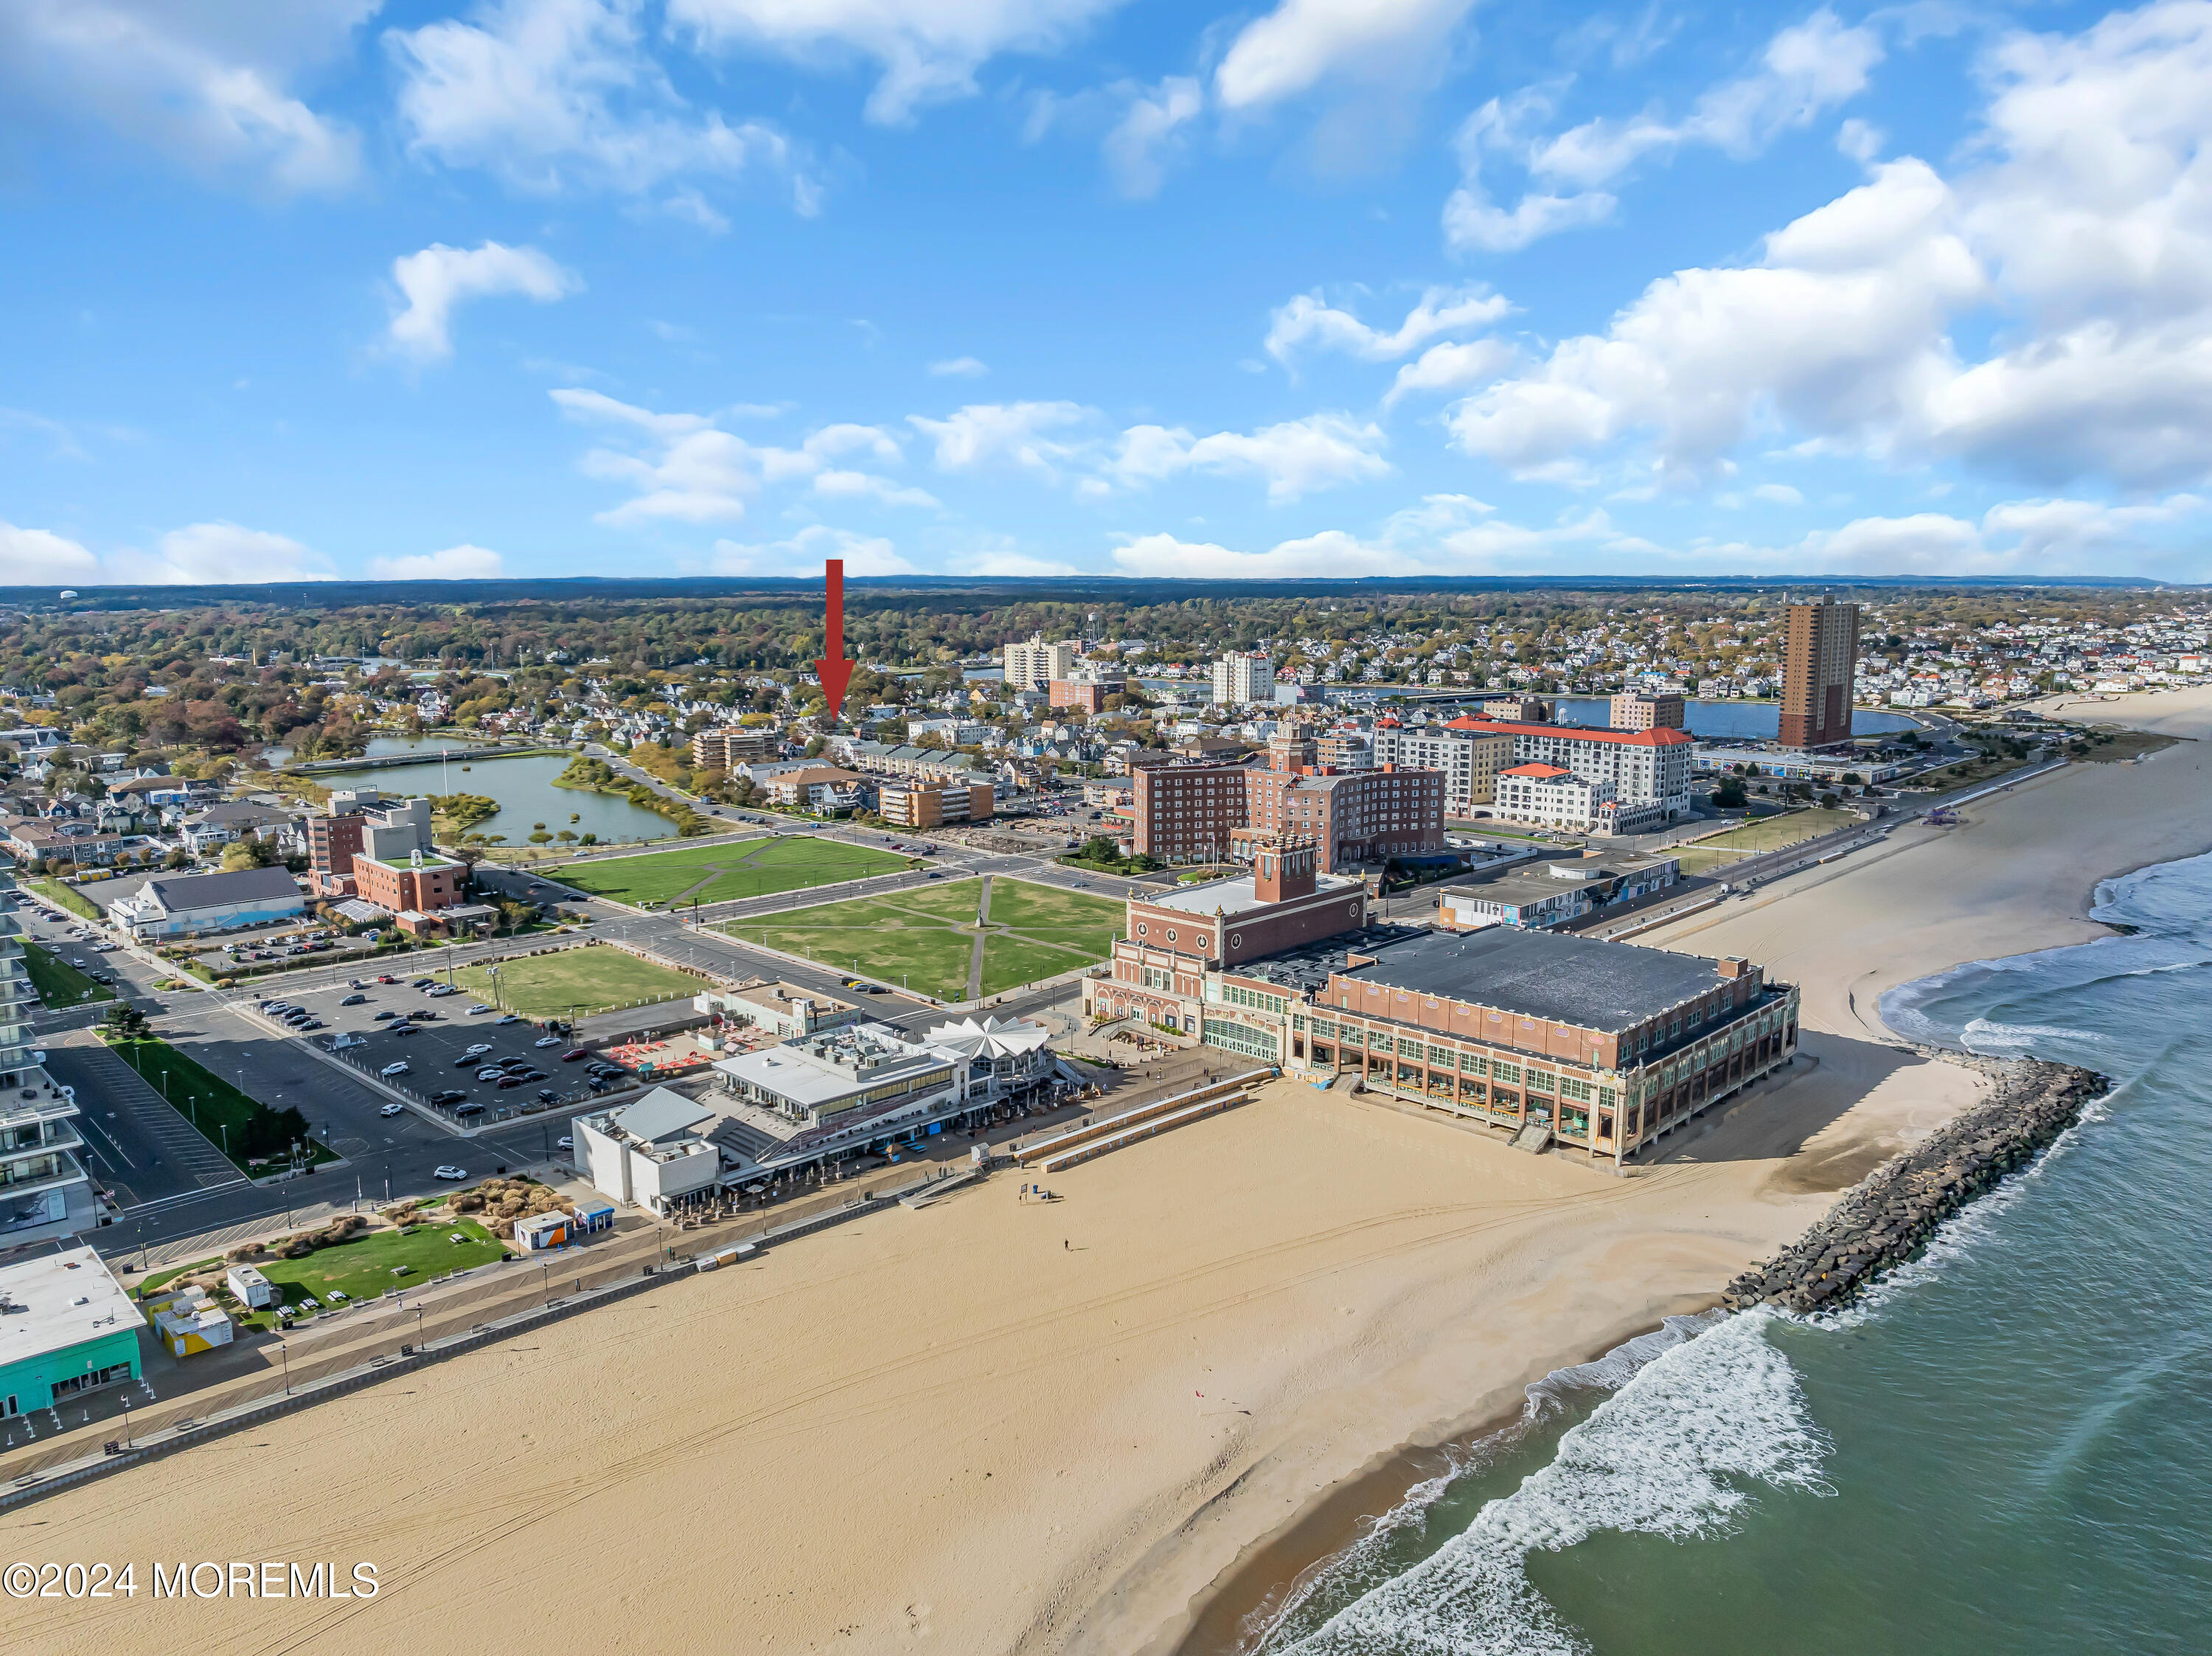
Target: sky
(390, 288)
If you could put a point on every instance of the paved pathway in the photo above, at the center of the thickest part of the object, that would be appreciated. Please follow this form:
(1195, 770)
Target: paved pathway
(975, 954)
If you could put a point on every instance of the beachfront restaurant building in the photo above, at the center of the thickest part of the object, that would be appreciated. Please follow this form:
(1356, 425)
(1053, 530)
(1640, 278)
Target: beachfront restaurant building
(66, 1328)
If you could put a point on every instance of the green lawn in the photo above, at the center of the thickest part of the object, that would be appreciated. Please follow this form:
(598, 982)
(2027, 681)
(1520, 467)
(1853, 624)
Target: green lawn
(715, 874)
(58, 983)
(67, 896)
(1774, 831)
(924, 939)
(578, 982)
(225, 1116)
(361, 1269)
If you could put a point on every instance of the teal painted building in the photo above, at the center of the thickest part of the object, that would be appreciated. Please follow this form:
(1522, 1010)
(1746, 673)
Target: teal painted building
(67, 1328)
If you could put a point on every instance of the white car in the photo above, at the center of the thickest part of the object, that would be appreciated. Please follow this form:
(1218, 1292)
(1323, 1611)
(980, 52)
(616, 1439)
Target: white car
(392, 1070)
(565, 1142)
(478, 1007)
(393, 1109)
(450, 1172)
(476, 1050)
(546, 1041)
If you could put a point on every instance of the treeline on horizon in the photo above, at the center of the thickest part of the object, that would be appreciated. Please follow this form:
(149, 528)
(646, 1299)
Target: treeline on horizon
(223, 674)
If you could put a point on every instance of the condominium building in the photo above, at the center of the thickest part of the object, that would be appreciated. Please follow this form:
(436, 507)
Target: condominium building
(1240, 678)
(45, 1190)
(1645, 710)
(1218, 812)
(729, 748)
(1646, 768)
(1036, 662)
(1468, 760)
(932, 805)
(1819, 658)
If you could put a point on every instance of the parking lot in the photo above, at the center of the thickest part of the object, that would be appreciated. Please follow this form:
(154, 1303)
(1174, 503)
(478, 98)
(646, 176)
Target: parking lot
(439, 1029)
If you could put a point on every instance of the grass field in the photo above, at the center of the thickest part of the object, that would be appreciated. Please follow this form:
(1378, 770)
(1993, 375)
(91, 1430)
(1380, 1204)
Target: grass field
(66, 896)
(925, 939)
(222, 1113)
(58, 983)
(363, 1269)
(578, 981)
(1774, 832)
(715, 874)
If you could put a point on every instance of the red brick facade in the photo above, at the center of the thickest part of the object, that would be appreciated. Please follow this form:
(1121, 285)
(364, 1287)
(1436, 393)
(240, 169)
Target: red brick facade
(397, 887)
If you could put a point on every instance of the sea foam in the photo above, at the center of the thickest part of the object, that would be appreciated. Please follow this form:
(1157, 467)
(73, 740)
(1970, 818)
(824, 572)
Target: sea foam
(1666, 1455)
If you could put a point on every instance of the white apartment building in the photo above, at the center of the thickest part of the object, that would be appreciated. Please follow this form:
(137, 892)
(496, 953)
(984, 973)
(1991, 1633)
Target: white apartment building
(1643, 768)
(1036, 662)
(1551, 796)
(1239, 679)
(1469, 762)
(45, 1192)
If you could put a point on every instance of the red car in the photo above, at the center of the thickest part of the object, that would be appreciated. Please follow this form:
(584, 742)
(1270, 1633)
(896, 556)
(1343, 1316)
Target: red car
(387, 976)
(513, 1080)
(570, 1057)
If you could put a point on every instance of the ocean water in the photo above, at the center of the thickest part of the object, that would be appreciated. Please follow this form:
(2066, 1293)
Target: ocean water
(2007, 1447)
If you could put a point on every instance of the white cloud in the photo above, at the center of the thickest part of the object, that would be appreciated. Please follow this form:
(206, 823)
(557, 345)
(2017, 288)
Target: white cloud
(1449, 368)
(203, 84)
(1303, 43)
(1473, 223)
(34, 557)
(1444, 534)
(804, 553)
(1296, 456)
(2080, 223)
(550, 94)
(1806, 70)
(439, 277)
(1150, 133)
(2049, 536)
(1014, 564)
(690, 470)
(929, 50)
(1778, 494)
(960, 367)
(1837, 332)
(218, 554)
(1309, 321)
(1002, 434)
(462, 562)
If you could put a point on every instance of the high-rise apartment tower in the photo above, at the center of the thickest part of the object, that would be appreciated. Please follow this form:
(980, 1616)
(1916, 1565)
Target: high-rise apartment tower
(1820, 658)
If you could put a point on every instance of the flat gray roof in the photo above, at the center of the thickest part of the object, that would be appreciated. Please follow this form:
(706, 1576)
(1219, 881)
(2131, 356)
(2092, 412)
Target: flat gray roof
(1583, 981)
(48, 1288)
(1233, 895)
(661, 1113)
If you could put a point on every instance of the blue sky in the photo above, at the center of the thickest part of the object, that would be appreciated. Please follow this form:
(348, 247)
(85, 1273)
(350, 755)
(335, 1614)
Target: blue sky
(1025, 286)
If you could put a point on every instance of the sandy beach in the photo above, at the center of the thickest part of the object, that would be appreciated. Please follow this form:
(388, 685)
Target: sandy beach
(998, 1426)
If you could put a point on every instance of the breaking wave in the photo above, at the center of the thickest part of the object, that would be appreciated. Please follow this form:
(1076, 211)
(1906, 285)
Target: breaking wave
(1667, 1454)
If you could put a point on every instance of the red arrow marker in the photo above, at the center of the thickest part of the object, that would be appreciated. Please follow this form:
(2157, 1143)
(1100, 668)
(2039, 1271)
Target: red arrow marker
(835, 671)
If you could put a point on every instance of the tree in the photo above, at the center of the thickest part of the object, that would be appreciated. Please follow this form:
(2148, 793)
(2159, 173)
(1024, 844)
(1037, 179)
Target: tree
(1729, 795)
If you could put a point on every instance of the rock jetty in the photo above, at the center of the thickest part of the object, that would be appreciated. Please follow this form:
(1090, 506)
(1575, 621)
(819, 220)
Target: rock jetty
(1889, 1216)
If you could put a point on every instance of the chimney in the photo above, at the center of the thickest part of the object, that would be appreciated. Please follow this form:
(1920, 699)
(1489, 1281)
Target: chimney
(1732, 967)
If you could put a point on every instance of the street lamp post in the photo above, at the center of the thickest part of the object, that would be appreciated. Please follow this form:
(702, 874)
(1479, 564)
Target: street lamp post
(283, 1352)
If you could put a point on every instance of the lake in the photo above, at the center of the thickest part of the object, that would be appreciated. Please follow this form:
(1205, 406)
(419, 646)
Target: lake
(524, 788)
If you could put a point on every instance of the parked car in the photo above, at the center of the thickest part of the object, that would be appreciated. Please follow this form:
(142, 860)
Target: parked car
(422, 983)
(385, 977)
(393, 1109)
(512, 1018)
(564, 1142)
(392, 1070)
(478, 1050)
(450, 1172)
(571, 1057)
(442, 990)
(505, 1081)
(468, 1060)
(275, 1008)
(385, 1017)
(491, 1073)
(354, 1000)
(546, 1095)
(468, 1109)
(451, 1095)
(406, 1028)
(478, 1007)
(546, 1041)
